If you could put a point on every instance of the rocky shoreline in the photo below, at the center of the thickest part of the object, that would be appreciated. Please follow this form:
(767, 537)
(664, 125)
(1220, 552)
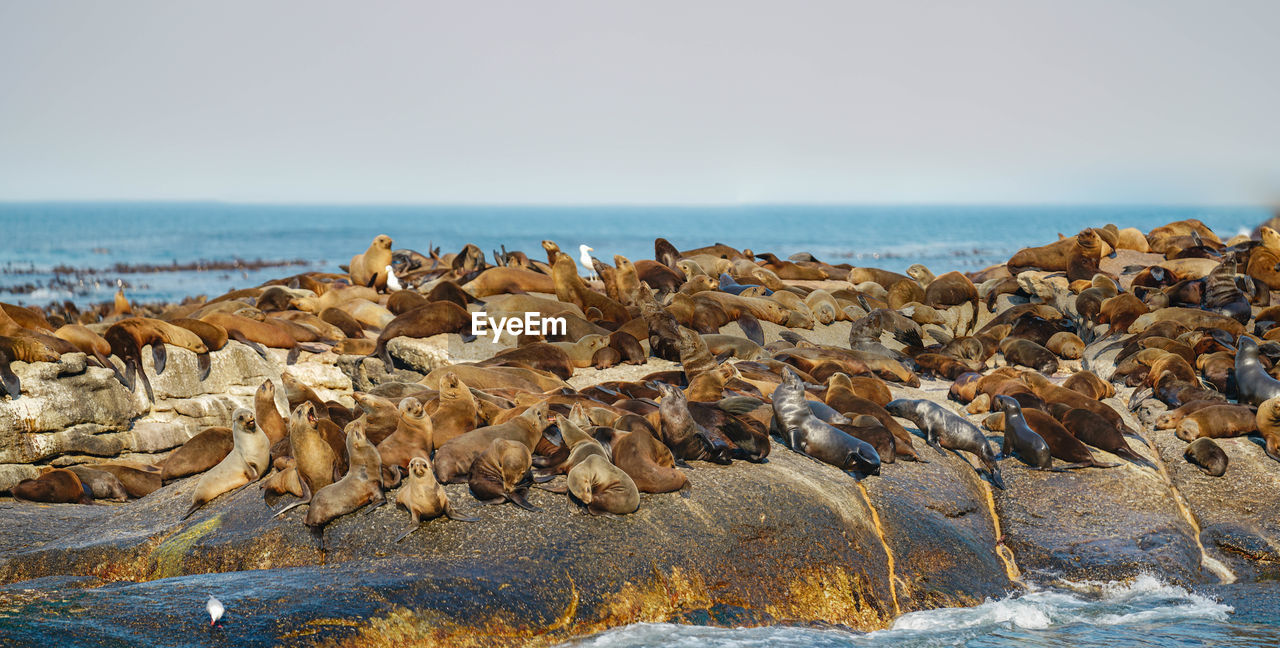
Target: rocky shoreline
(790, 540)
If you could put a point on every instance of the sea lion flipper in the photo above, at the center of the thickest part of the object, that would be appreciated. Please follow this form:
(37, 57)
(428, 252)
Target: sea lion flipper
(146, 384)
(160, 357)
(1075, 466)
(454, 515)
(751, 328)
(292, 357)
(12, 384)
(204, 362)
(561, 489)
(687, 490)
(996, 479)
(683, 464)
(412, 527)
(518, 498)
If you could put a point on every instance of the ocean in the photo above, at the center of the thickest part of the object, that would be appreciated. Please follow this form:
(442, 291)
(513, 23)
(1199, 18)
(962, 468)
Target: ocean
(55, 252)
(69, 251)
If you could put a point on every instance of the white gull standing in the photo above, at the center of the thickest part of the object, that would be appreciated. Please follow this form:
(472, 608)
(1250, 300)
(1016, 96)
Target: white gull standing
(585, 259)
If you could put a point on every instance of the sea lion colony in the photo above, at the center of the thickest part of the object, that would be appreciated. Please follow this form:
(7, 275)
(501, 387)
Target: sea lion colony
(1194, 329)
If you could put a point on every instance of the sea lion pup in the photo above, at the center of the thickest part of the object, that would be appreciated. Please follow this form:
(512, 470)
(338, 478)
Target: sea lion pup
(247, 462)
(101, 484)
(456, 412)
(1207, 456)
(603, 488)
(1066, 344)
(57, 486)
(942, 428)
(1019, 439)
(1170, 419)
(1088, 383)
(824, 306)
(360, 486)
(454, 458)
(423, 322)
(682, 434)
(501, 474)
(1020, 351)
(809, 435)
(1253, 383)
(412, 437)
(645, 459)
(314, 457)
(284, 479)
(424, 497)
(1218, 422)
(1092, 429)
(370, 267)
(199, 453)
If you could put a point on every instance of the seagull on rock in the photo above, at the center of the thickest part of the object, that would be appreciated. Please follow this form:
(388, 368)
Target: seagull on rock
(214, 606)
(393, 282)
(585, 259)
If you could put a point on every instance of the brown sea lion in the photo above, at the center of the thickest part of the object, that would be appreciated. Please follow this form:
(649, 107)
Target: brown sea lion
(1268, 422)
(1065, 344)
(1020, 351)
(454, 457)
(138, 480)
(423, 322)
(380, 414)
(456, 413)
(1170, 419)
(576, 441)
(1092, 429)
(360, 486)
(102, 484)
(284, 479)
(370, 267)
(248, 460)
(1218, 422)
(266, 414)
(647, 461)
(199, 453)
(349, 326)
(603, 488)
(543, 356)
(424, 497)
(501, 474)
(682, 434)
(57, 486)
(841, 397)
(412, 436)
(1088, 383)
(315, 458)
(1206, 455)
(500, 281)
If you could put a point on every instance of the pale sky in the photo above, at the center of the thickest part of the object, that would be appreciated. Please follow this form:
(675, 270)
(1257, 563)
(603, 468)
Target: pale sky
(725, 101)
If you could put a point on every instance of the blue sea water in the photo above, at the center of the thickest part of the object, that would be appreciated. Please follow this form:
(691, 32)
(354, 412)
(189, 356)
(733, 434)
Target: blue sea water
(38, 237)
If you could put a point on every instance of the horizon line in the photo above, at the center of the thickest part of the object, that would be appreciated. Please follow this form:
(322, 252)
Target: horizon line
(621, 204)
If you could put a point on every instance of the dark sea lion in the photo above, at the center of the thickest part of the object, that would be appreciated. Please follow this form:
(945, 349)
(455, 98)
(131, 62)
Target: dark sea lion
(102, 484)
(453, 458)
(1088, 383)
(1062, 444)
(1094, 430)
(603, 488)
(24, 349)
(1207, 456)
(424, 497)
(809, 435)
(199, 453)
(57, 486)
(247, 462)
(501, 474)
(943, 428)
(138, 480)
(845, 401)
(423, 322)
(1019, 439)
(360, 486)
(349, 326)
(1218, 422)
(1019, 351)
(1253, 384)
(403, 301)
(682, 434)
(871, 430)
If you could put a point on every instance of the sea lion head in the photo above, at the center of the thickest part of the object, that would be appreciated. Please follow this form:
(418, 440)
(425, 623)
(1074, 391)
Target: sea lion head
(267, 389)
(410, 407)
(537, 414)
(242, 420)
(1270, 238)
(419, 468)
(382, 242)
(622, 262)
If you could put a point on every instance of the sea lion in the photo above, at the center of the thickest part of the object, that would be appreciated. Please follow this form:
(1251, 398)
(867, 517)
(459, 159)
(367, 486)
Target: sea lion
(1253, 384)
(344, 321)
(944, 429)
(360, 486)
(57, 486)
(370, 267)
(1206, 455)
(266, 414)
(1062, 444)
(1019, 351)
(542, 356)
(682, 434)
(316, 460)
(577, 442)
(247, 461)
(501, 474)
(1170, 419)
(213, 336)
(809, 435)
(206, 449)
(423, 322)
(869, 429)
(1066, 344)
(841, 396)
(102, 484)
(1268, 422)
(1218, 422)
(456, 412)
(411, 438)
(603, 488)
(507, 280)
(647, 461)
(138, 480)
(1088, 383)
(454, 458)
(1092, 429)
(424, 497)
(284, 479)
(1019, 439)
